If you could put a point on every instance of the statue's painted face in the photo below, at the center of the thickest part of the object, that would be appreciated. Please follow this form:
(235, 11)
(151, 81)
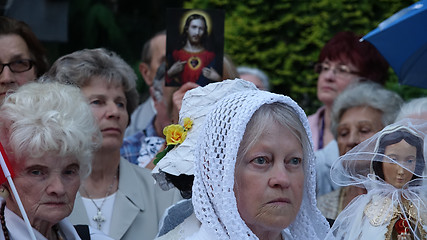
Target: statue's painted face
(404, 155)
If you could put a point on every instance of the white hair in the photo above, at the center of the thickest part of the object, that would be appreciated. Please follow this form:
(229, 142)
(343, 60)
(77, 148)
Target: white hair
(257, 73)
(413, 108)
(366, 94)
(45, 119)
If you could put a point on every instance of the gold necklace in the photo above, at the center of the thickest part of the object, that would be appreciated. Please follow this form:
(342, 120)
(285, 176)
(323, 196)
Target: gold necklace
(99, 217)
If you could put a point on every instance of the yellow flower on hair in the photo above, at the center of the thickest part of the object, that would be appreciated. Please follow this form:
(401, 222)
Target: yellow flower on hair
(188, 123)
(175, 134)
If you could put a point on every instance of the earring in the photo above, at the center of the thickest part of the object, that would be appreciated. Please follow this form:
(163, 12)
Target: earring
(4, 193)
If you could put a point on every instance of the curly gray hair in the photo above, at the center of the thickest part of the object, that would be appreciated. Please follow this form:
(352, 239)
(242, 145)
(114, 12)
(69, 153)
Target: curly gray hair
(368, 94)
(45, 119)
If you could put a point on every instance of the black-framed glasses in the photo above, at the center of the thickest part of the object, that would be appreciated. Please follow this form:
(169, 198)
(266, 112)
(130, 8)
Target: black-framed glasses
(18, 66)
(338, 70)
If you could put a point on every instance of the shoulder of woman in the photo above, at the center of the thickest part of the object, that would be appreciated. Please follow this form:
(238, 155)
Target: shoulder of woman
(131, 170)
(134, 178)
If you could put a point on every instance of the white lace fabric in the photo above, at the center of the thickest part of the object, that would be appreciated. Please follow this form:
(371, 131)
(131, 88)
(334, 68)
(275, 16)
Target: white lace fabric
(372, 215)
(217, 146)
(195, 105)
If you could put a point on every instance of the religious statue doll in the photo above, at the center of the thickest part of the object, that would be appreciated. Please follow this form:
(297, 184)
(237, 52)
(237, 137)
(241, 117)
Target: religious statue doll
(391, 166)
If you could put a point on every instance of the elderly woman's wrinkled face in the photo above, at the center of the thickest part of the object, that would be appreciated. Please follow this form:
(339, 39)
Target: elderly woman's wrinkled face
(47, 187)
(404, 154)
(356, 125)
(14, 51)
(269, 181)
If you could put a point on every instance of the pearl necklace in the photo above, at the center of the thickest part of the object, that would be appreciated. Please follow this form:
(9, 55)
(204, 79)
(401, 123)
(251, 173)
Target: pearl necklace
(99, 217)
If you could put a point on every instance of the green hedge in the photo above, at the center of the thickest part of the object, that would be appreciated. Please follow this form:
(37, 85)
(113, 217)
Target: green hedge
(284, 37)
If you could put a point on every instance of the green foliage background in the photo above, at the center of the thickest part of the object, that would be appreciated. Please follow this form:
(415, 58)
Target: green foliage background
(282, 37)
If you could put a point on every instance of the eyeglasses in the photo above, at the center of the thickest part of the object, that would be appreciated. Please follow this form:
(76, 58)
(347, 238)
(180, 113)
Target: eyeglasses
(18, 66)
(338, 70)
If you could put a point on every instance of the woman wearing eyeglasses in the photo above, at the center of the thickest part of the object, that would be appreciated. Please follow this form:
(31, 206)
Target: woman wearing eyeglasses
(22, 56)
(343, 60)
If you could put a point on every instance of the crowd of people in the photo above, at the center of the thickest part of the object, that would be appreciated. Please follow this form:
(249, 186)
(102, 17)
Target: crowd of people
(88, 159)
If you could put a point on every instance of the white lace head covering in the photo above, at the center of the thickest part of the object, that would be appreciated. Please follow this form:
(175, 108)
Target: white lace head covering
(217, 147)
(196, 104)
(363, 166)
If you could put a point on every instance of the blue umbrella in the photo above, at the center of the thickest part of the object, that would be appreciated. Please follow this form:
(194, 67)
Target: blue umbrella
(402, 40)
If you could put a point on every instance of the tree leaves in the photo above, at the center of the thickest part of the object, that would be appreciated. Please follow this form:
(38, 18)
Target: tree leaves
(284, 37)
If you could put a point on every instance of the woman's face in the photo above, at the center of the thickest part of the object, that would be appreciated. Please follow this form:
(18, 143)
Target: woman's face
(404, 154)
(269, 181)
(13, 48)
(108, 103)
(356, 125)
(47, 187)
(333, 78)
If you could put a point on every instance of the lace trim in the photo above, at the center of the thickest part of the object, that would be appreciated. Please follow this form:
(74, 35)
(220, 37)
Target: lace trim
(378, 211)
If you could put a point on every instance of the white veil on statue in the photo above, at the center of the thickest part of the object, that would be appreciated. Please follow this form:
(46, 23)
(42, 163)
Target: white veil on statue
(396, 183)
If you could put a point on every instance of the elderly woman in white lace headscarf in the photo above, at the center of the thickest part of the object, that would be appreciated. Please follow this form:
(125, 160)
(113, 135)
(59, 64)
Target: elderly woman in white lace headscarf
(391, 166)
(254, 172)
(176, 168)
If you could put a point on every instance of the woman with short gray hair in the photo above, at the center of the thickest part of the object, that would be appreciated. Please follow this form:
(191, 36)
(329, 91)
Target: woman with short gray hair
(118, 198)
(368, 94)
(358, 112)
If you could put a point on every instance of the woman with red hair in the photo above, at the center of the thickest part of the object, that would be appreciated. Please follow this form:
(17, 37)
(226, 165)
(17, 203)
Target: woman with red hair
(343, 60)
